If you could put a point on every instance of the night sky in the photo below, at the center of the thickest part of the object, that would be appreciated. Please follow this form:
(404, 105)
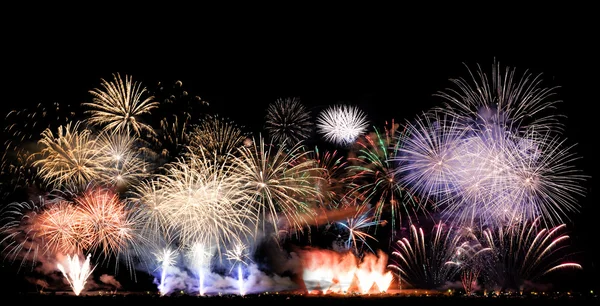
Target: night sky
(388, 69)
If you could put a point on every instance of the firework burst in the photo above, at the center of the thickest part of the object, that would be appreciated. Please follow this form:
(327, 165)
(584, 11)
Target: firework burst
(525, 252)
(502, 99)
(423, 262)
(122, 162)
(425, 156)
(176, 113)
(199, 256)
(68, 159)
(332, 167)
(342, 124)
(106, 225)
(372, 178)
(60, 228)
(485, 178)
(204, 203)
(237, 255)
(277, 182)
(543, 180)
(471, 260)
(119, 105)
(149, 204)
(20, 237)
(166, 258)
(216, 137)
(357, 227)
(288, 121)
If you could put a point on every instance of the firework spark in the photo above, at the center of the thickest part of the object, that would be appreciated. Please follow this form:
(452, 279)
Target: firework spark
(21, 130)
(199, 256)
(177, 111)
(239, 256)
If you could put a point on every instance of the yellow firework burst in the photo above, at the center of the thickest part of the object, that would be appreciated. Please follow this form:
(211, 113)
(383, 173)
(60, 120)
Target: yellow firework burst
(119, 104)
(68, 158)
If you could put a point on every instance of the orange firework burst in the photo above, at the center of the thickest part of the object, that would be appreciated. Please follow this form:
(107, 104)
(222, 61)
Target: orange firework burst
(106, 223)
(60, 228)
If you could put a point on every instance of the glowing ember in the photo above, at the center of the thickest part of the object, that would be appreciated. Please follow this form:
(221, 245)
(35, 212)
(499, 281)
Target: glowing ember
(332, 272)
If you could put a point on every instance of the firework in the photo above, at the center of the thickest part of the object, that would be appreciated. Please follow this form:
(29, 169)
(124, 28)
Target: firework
(60, 228)
(239, 256)
(342, 124)
(331, 166)
(502, 99)
(372, 178)
(199, 256)
(277, 181)
(174, 133)
(288, 121)
(471, 260)
(78, 272)
(216, 137)
(176, 113)
(68, 159)
(20, 236)
(356, 227)
(489, 157)
(96, 221)
(167, 257)
(119, 105)
(373, 273)
(487, 178)
(106, 225)
(204, 203)
(122, 162)
(423, 262)
(543, 180)
(425, 156)
(526, 252)
(150, 210)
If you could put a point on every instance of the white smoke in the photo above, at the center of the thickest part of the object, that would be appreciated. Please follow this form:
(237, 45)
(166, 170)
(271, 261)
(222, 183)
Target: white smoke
(254, 281)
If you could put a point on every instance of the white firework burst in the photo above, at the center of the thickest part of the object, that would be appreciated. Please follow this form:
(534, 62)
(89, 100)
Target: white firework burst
(342, 124)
